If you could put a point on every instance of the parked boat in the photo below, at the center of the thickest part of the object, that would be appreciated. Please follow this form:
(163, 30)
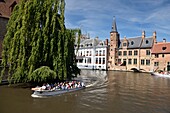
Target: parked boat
(59, 89)
(160, 74)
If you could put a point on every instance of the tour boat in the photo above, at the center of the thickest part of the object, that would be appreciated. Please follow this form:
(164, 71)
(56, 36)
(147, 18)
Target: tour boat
(39, 92)
(160, 74)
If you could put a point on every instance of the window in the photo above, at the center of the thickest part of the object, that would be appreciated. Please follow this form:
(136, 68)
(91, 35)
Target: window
(124, 53)
(119, 61)
(135, 52)
(130, 53)
(87, 52)
(147, 62)
(163, 55)
(124, 62)
(100, 52)
(132, 43)
(156, 55)
(120, 53)
(147, 41)
(142, 62)
(99, 60)
(89, 60)
(103, 60)
(148, 52)
(134, 61)
(156, 63)
(103, 52)
(96, 53)
(163, 48)
(96, 60)
(129, 61)
(124, 44)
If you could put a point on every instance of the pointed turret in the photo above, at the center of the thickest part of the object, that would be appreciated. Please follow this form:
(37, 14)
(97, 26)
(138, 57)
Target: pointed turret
(114, 27)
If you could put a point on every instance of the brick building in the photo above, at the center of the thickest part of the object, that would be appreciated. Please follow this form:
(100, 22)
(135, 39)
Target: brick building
(130, 53)
(6, 7)
(161, 56)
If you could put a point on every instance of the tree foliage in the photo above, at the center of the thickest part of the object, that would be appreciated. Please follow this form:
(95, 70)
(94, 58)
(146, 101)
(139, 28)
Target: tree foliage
(36, 36)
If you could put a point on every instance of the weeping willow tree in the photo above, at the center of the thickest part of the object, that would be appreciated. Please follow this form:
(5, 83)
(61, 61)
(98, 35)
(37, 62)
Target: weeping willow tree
(37, 37)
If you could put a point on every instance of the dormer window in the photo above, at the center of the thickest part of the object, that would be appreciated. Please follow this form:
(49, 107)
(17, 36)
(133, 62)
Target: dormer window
(132, 43)
(90, 44)
(124, 44)
(147, 41)
(163, 48)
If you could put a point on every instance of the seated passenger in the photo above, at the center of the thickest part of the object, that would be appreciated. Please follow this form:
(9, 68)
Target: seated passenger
(43, 87)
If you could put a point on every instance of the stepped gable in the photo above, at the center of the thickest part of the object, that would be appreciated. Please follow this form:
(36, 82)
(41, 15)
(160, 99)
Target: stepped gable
(147, 43)
(161, 47)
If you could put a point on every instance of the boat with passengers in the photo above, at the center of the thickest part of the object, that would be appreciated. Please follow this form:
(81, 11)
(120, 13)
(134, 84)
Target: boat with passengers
(161, 74)
(57, 88)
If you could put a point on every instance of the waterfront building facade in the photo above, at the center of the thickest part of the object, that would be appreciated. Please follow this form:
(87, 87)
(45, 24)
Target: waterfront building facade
(92, 54)
(161, 56)
(130, 54)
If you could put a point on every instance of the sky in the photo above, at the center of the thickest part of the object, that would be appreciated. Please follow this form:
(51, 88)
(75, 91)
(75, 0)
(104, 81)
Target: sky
(95, 17)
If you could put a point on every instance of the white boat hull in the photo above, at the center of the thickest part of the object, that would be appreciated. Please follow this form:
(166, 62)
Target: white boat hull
(161, 75)
(45, 93)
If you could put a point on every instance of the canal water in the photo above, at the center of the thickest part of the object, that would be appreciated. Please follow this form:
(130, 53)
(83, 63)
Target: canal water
(106, 92)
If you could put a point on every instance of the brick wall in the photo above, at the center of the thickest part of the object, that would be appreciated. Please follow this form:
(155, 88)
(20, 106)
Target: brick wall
(3, 23)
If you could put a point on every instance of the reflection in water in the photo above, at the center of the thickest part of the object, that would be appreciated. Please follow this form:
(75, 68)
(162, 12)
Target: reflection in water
(106, 92)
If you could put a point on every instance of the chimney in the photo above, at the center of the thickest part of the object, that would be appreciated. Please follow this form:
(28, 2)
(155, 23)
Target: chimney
(143, 34)
(164, 40)
(154, 36)
(106, 42)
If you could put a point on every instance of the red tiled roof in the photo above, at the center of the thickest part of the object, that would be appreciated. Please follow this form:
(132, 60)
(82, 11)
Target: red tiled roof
(5, 7)
(163, 47)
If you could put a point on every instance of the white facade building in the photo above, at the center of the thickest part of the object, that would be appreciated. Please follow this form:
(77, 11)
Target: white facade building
(92, 54)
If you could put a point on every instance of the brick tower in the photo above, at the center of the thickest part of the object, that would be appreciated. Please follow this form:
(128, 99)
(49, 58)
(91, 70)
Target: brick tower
(114, 44)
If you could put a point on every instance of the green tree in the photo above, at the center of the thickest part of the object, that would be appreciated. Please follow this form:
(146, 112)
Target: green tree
(36, 36)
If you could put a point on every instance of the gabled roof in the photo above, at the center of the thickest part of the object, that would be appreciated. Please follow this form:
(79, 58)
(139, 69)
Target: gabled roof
(132, 42)
(162, 47)
(147, 43)
(94, 41)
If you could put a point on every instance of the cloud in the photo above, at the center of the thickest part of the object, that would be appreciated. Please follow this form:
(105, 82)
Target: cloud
(132, 16)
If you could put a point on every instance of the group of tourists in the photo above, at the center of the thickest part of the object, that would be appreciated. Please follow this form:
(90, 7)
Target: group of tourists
(63, 85)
